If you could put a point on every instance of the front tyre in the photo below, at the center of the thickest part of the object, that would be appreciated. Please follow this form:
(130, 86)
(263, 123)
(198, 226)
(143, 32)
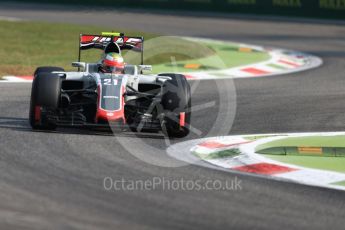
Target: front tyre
(47, 69)
(45, 96)
(176, 104)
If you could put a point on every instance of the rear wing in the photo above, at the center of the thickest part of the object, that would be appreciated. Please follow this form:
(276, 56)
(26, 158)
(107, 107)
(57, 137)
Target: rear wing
(111, 40)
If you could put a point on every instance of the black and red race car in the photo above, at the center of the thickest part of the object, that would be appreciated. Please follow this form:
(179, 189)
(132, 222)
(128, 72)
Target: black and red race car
(132, 100)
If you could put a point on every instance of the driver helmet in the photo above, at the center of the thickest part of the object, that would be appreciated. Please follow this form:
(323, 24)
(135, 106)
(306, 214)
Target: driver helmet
(113, 63)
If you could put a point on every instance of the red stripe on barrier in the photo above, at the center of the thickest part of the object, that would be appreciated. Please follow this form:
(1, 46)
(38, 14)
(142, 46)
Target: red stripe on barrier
(264, 169)
(289, 63)
(255, 71)
(215, 144)
(26, 77)
(189, 77)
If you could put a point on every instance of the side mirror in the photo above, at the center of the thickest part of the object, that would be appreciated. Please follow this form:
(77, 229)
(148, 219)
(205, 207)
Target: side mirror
(81, 65)
(145, 67)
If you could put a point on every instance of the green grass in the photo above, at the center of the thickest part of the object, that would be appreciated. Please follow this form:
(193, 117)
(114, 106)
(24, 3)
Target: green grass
(27, 45)
(226, 55)
(342, 183)
(336, 164)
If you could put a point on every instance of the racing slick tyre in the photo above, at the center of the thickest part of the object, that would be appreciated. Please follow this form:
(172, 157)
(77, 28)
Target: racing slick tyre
(45, 95)
(176, 103)
(47, 69)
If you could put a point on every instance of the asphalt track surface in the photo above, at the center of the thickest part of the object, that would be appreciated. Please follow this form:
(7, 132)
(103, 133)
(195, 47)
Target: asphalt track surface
(55, 180)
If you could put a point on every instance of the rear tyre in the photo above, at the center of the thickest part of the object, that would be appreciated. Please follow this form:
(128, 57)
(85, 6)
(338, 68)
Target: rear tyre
(45, 95)
(176, 104)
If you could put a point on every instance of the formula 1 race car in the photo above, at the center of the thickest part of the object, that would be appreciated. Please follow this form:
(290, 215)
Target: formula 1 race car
(130, 100)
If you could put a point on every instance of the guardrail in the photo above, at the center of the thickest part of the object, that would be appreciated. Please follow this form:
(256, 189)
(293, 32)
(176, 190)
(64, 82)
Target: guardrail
(330, 9)
(305, 151)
